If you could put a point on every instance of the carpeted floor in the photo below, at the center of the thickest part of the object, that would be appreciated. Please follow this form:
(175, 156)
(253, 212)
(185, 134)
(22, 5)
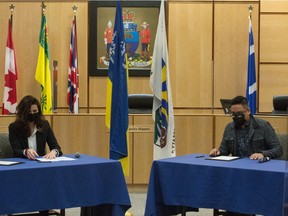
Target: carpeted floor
(138, 200)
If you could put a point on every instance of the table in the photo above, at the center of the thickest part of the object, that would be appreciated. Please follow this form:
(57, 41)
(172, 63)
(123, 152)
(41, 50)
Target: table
(86, 181)
(241, 185)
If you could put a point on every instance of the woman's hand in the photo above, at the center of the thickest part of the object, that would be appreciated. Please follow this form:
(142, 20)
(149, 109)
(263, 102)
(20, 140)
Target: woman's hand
(51, 155)
(31, 154)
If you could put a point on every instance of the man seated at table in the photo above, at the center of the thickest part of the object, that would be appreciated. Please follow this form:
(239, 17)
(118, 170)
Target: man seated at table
(247, 136)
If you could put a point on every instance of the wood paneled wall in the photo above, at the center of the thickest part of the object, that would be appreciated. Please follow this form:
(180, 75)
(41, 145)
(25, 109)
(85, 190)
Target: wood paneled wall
(208, 49)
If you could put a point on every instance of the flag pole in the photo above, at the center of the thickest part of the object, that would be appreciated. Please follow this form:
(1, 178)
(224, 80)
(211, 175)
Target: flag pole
(12, 7)
(251, 90)
(43, 6)
(75, 8)
(250, 8)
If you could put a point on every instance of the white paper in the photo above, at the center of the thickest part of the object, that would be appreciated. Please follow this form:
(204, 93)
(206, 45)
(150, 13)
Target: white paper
(57, 159)
(225, 158)
(7, 163)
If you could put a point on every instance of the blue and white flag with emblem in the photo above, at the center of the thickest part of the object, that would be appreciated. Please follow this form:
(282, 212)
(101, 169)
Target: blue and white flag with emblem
(251, 92)
(164, 136)
(117, 95)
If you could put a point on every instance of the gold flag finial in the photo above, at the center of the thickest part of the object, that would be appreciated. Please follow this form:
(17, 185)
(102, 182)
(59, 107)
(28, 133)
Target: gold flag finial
(43, 6)
(12, 7)
(75, 8)
(250, 8)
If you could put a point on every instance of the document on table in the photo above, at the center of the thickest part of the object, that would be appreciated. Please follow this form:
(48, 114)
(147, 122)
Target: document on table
(9, 163)
(57, 159)
(223, 158)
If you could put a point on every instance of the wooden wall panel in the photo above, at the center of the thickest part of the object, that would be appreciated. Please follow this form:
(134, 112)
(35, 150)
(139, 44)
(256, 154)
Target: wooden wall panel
(274, 6)
(97, 92)
(231, 48)
(190, 52)
(142, 150)
(237, 1)
(194, 134)
(220, 122)
(273, 38)
(26, 29)
(279, 123)
(273, 79)
(4, 122)
(98, 87)
(82, 133)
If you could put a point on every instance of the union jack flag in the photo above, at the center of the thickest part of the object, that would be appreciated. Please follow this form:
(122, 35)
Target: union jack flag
(73, 88)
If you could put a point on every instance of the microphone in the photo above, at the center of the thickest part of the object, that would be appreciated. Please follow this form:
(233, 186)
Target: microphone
(77, 155)
(264, 159)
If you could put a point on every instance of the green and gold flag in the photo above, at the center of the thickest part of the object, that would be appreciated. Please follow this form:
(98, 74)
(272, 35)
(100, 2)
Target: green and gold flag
(43, 74)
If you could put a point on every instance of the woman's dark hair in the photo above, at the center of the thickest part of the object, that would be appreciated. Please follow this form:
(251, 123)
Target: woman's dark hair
(22, 112)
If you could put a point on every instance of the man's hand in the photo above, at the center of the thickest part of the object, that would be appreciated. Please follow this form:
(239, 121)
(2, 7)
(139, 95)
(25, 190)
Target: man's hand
(214, 152)
(256, 156)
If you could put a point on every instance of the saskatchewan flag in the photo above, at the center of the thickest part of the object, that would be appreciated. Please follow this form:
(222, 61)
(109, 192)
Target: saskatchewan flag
(43, 74)
(163, 116)
(117, 95)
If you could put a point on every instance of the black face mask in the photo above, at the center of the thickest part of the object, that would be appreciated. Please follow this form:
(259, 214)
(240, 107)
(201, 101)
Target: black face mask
(33, 116)
(239, 120)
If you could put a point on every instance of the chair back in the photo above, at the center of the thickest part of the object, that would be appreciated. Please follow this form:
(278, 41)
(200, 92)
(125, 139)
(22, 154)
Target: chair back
(6, 150)
(140, 103)
(280, 105)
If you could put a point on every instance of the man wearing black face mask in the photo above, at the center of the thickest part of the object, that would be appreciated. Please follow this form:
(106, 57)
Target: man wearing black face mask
(247, 136)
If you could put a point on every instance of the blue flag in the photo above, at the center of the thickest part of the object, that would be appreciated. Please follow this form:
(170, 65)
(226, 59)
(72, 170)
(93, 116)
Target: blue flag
(117, 94)
(251, 78)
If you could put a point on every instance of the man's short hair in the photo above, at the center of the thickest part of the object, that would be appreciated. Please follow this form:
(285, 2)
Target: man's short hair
(240, 100)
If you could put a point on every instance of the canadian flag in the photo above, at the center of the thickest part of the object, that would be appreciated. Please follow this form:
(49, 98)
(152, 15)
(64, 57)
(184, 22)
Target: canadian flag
(10, 93)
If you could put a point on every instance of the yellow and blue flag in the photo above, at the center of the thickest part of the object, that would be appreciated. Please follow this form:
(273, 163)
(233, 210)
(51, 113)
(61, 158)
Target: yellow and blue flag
(117, 95)
(251, 91)
(164, 135)
(43, 73)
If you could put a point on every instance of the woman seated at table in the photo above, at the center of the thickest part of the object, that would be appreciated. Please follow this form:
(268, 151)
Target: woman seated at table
(30, 132)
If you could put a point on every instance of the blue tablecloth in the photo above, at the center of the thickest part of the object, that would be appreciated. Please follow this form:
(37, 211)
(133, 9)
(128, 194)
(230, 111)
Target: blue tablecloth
(86, 181)
(241, 185)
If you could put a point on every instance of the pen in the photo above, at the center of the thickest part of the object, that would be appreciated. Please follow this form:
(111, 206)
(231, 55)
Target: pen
(200, 156)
